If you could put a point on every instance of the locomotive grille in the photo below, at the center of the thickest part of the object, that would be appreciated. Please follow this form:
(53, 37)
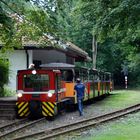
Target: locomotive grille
(48, 108)
(36, 95)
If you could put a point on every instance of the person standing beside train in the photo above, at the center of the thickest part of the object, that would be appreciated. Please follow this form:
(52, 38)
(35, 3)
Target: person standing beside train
(80, 92)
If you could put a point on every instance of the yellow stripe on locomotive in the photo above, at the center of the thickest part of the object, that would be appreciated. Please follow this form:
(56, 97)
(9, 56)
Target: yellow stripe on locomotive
(22, 109)
(48, 108)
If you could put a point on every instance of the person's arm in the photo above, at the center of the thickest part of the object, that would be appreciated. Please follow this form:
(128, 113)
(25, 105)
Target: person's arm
(75, 92)
(86, 90)
(85, 93)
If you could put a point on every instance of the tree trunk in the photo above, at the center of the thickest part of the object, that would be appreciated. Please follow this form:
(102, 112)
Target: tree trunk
(94, 51)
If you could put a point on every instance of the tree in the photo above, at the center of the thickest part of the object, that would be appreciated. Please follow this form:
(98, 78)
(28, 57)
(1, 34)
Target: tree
(118, 19)
(113, 24)
(4, 72)
(22, 19)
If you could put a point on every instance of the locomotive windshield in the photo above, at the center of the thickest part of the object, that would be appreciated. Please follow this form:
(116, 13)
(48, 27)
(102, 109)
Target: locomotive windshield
(37, 82)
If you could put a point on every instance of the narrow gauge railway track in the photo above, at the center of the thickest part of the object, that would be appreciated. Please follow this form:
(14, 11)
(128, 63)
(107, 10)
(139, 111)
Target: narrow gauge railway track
(11, 128)
(11, 124)
(79, 125)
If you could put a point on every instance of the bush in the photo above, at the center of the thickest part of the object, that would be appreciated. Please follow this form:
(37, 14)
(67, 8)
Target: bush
(4, 74)
(8, 92)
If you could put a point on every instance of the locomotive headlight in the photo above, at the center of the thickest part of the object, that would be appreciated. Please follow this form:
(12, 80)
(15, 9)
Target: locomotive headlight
(50, 94)
(19, 94)
(33, 71)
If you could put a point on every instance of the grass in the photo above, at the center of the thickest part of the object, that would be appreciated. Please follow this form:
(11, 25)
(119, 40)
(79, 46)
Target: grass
(122, 98)
(125, 128)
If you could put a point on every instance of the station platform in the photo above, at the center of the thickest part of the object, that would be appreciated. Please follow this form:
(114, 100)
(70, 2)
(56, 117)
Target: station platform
(12, 98)
(7, 108)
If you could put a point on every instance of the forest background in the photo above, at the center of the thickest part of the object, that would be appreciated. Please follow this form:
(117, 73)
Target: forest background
(111, 27)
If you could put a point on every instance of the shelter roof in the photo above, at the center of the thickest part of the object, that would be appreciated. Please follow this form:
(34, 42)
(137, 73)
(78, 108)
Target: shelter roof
(57, 66)
(48, 42)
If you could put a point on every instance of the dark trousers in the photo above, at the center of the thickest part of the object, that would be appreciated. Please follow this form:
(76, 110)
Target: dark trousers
(80, 106)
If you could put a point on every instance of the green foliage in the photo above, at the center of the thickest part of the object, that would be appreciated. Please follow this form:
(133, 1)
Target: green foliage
(8, 92)
(72, 26)
(4, 73)
(10, 16)
(116, 24)
(20, 20)
(134, 68)
(116, 19)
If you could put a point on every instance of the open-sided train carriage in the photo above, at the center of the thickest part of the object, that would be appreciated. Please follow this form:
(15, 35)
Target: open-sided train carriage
(45, 91)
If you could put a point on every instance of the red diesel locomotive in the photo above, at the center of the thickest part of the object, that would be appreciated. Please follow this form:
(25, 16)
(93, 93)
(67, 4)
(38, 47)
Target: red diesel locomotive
(45, 91)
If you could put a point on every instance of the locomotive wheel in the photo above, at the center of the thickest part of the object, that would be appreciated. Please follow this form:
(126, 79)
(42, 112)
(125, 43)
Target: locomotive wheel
(55, 110)
(17, 115)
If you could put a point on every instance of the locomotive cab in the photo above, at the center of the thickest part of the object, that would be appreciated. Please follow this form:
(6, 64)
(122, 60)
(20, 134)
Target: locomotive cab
(36, 93)
(43, 92)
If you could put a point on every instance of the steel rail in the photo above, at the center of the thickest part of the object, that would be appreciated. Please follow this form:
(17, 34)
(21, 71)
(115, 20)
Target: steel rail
(12, 124)
(82, 124)
(20, 126)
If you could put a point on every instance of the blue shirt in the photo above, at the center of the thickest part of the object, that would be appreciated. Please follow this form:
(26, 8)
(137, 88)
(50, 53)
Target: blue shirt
(80, 89)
